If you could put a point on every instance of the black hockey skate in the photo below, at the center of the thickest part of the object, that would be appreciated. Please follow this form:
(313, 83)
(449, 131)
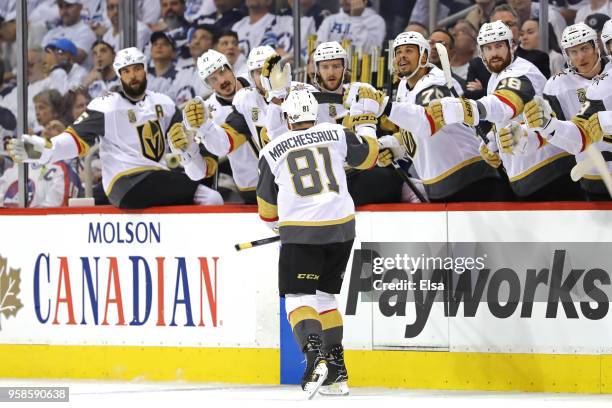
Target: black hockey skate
(316, 366)
(337, 377)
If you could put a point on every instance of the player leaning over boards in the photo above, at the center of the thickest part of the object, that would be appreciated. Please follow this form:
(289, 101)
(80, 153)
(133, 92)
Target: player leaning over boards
(376, 185)
(447, 159)
(302, 191)
(577, 111)
(542, 175)
(243, 132)
(215, 71)
(132, 126)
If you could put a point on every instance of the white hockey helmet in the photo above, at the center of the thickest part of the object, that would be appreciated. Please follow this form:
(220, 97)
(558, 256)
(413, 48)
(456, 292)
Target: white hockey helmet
(300, 106)
(413, 38)
(606, 36)
(494, 32)
(329, 51)
(575, 34)
(209, 62)
(127, 57)
(257, 56)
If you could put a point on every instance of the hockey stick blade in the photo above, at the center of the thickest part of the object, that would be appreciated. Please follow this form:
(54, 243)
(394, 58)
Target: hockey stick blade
(256, 243)
(445, 63)
(448, 77)
(601, 167)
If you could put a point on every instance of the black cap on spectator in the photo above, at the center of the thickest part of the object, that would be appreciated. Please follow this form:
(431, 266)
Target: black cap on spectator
(161, 34)
(596, 21)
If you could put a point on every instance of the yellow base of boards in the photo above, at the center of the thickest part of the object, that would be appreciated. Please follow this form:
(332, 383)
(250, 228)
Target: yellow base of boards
(481, 371)
(391, 369)
(229, 365)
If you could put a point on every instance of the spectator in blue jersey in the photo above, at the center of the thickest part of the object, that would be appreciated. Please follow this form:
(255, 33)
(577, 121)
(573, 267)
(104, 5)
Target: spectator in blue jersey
(161, 72)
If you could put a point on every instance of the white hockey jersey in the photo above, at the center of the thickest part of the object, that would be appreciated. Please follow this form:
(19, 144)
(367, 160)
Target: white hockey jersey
(48, 186)
(507, 94)
(302, 183)
(365, 31)
(275, 31)
(446, 159)
(132, 136)
(244, 158)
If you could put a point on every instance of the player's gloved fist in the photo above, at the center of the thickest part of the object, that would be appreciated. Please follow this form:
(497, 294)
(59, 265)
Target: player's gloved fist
(538, 115)
(512, 138)
(194, 114)
(594, 131)
(181, 143)
(489, 155)
(434, 111)
(30, 149)
(459, 110)
(391, 147)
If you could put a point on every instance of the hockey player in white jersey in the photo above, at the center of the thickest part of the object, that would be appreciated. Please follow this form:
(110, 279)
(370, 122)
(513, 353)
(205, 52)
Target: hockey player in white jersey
(447, 159)
(565, 93)
(243, 129)
(376, 185)
(302, 192)
(215, 70)
(131, 126)
(575, 120)
(542, 175)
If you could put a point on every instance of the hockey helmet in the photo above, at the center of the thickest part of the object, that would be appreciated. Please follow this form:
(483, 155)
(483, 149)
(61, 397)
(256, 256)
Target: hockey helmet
(300, 106)
(606, 36)
(127, 57)
(209, 62)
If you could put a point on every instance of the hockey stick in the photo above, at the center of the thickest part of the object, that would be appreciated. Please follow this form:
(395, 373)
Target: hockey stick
(595, 159)
(407, 180)
(258, 242)
(445, 63)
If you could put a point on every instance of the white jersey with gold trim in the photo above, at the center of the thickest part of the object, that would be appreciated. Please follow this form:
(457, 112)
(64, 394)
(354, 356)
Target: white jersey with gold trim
(507, 94)
(132, 135)
(441, 157)
(243, 159)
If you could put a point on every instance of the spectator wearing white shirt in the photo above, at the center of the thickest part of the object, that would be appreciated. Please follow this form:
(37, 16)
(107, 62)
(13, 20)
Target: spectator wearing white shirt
(464, 34)
(261, 27)
(161, 73)
(111, 36)
(188, 84)
(593, 7)
(61, 53)
(355, 22)
(73, 28)
(226, 42)
(102, 77)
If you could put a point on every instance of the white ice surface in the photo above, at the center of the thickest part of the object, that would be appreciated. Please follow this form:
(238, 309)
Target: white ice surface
(90, 394)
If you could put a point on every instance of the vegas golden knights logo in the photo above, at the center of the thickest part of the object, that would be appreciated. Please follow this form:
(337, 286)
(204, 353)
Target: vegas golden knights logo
(152, 140)
(409, 142)
(332, 110)
(581, 93)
